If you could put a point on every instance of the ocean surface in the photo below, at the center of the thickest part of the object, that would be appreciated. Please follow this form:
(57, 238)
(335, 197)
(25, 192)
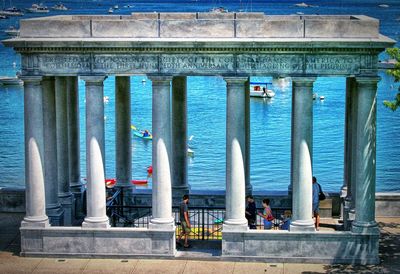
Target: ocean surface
(270, 118)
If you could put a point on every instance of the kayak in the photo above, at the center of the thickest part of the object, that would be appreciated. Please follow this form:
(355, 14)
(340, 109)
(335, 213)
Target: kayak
(140, 134)
(139, 182)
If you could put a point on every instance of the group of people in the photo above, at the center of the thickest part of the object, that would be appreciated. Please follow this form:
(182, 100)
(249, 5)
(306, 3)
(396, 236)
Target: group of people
(251, 213)
(285, 220)
(266, 215)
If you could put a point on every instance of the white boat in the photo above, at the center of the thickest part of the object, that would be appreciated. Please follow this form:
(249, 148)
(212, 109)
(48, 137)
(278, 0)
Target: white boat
(219, 10)
(116, 7)
(383, 6)
(59, 6)
(110, 10)
(38, 8)
(12, 31)
(260, 89)
(321, 98)
(8, 80)
(13, 11)
(190, 152)
(304, 5)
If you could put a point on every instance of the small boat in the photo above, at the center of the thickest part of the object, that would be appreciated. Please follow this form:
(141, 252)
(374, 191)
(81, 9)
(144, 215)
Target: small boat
(116, 7)
(383, 6)
(110, 10)
(106, 99)
(38, 8)
(219, 10)
(321, 98)
(260, 89)
(8, 81)
(314, 96)
(190, 152)
(144, 134)
(112, 182)
(12, 31)
(139, 182)
(13, 11)
(59, 6)
(3, 17)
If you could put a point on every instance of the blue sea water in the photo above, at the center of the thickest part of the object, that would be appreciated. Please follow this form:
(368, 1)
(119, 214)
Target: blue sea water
(270, 119)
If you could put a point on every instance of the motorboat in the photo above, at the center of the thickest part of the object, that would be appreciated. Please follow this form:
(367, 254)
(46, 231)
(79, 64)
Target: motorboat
(38, 8)
(383, 6)
(3, 17)
(190, 152)
(110, 10)
(13, 11)
(260, 89)
(116, 7)
(304, 5)
(10, 81)
(12, 31)
(219, 10)
(60, 7)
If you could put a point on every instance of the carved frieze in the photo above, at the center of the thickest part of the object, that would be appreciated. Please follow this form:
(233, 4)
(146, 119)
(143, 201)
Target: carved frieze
(198, 64)
(270, 63)
(125, 63)
(332, 64)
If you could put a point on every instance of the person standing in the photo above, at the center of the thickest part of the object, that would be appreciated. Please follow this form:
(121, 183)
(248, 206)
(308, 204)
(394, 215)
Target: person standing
(251, 212)
(267, 214)
(315, 201)
(185, 221)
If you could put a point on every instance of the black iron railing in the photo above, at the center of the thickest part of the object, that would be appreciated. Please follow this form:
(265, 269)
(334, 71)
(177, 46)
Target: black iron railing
(206, 222)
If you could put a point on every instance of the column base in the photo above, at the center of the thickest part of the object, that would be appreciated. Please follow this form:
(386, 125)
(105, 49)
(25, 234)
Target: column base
(368, 227)
(302, 226)
(96, 222)
(67, 200)
(41, 221)
(162, 224)
(56, 215)
(235, 225)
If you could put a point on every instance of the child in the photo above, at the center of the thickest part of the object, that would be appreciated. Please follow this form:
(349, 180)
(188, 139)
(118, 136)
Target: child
(267, 214)
(286, 220)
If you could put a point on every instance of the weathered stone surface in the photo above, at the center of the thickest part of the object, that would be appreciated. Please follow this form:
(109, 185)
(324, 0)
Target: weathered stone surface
(270, 27)
(196, 28)
(125, 28)
(338, 247)
(57, 27)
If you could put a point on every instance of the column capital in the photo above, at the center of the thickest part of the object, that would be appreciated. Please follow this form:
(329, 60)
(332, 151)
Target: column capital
(303, 81)
(163, 78)
(31, 79)
(235, 80)
(367, 79)
(94, 80)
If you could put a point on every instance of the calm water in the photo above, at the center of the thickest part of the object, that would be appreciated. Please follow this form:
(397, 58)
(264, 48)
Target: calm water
(270, 119)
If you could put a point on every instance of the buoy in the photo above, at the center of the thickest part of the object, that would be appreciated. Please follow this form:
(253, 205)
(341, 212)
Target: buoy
(149, 171)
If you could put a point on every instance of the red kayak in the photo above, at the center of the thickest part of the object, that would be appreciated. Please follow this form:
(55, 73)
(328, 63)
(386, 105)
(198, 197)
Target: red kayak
(139, 182)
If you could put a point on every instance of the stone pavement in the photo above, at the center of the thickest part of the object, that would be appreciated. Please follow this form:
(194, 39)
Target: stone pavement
(11, 262)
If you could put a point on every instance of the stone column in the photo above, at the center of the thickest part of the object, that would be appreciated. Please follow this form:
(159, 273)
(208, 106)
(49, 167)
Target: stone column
(123, 148)
(365, 156)
(179, 137)
(301, 163)
(162, 197)
(96, 190)
(74, 164)
(249, 187)
(53, 207)
(349, 148)
(64, 192)
(235, 155)
(34, 153)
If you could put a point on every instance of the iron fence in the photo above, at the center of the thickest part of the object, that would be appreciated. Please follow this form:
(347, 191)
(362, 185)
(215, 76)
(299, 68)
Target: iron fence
(206, 222)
